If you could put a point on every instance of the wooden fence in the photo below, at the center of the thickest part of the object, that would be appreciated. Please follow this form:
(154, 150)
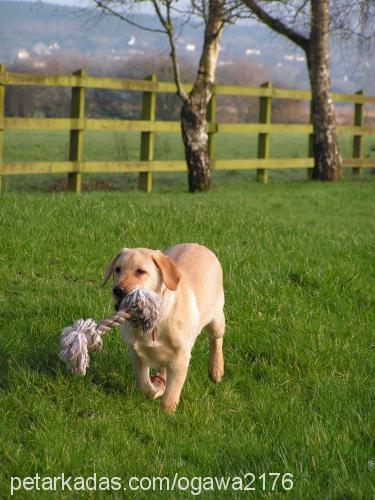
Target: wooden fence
(147, 126)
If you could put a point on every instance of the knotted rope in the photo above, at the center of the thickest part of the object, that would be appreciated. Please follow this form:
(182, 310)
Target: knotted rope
(141, 306)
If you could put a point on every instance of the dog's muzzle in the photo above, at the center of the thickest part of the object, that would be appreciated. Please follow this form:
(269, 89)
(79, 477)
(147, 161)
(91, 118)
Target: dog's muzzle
(143, 305)
(118, 296)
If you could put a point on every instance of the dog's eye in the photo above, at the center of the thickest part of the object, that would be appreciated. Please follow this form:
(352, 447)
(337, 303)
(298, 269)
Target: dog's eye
(140, 271)
(117, 269)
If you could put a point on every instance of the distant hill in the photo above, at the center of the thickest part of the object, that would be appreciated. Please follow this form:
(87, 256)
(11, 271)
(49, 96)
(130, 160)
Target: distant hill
(30, 29)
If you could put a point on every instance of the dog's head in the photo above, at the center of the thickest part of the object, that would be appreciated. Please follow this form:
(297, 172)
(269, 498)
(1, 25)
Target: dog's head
(141, 267)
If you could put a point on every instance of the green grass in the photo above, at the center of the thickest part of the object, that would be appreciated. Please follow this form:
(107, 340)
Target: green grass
(100, 146)
(297, 396)
(34, 146)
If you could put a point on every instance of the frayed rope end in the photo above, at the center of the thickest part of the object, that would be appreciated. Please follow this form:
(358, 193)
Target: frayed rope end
(76, 342)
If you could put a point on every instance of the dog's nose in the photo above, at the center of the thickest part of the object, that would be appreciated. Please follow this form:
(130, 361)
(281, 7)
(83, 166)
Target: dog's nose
(118, 291)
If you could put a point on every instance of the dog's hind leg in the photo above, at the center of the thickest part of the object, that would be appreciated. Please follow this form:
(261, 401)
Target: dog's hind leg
(215, 340)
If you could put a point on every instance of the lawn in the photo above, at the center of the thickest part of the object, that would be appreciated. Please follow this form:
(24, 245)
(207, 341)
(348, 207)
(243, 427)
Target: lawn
(297, 396)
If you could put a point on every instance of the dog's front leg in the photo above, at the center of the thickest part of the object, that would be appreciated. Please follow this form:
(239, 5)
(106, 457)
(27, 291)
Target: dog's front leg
(176, 375)
(142, 375)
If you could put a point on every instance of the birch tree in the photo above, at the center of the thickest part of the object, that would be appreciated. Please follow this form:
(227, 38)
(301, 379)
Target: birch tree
(214, 14)
(308, 23)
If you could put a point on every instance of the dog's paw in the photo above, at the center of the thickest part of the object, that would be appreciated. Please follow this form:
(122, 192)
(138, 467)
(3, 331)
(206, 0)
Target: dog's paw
(168, 406)
(216, 373)
(159, 383)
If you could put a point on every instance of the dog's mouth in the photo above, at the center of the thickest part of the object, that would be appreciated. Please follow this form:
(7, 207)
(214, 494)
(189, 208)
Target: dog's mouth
(120, 302)
(118, 297)
(143, 306)
(117, 301)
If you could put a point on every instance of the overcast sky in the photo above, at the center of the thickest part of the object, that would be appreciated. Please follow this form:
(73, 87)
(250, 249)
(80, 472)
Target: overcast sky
(74, 3)
(144, 7)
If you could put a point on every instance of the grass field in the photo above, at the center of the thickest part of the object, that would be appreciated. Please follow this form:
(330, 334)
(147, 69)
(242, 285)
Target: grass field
(297, 396)
(101, 146)
(168, 146)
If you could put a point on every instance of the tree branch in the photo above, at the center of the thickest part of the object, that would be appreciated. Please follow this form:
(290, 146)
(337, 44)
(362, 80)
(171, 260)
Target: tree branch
(168, 26)
(277, 25)
(109, 10)
(232, 10)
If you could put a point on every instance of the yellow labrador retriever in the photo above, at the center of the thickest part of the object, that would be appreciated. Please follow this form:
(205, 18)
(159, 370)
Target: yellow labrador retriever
(189, 280)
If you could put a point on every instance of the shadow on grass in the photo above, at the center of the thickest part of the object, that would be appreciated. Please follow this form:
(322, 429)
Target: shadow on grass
(104, 374)
(114, 383)
(4, 370)
(41, 360)
(37, 360)
(303, 279)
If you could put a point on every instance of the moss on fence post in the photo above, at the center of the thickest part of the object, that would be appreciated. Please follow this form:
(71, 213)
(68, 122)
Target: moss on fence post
(358, 139)
(77, 110)
(2, 96)
(310, 152)
(264, 138)
(147, 138)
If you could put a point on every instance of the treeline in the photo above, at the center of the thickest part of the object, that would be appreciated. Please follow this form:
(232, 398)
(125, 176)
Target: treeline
(53, 102)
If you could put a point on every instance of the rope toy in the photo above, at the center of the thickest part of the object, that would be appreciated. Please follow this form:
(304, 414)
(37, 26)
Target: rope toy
(141, 306)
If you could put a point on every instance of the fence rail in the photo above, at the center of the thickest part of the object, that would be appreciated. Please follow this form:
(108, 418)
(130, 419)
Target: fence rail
(148, 126)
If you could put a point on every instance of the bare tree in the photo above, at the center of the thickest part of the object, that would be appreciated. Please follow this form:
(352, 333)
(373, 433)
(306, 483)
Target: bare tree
(214, 14)
(308, 23)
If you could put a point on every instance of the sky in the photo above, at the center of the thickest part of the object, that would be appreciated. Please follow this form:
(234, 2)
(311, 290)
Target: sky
(146, 8)
(79, 3)
(73, 3)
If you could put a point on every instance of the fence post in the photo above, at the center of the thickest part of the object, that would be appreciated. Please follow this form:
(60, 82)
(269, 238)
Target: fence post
(358, 139)
(310, 153)
(264, 139)
(211, 122)
(77, 110)
(147, 138)
(2, 114)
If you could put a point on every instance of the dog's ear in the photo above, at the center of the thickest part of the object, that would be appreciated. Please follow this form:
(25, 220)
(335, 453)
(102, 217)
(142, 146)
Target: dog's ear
(170, 273)
(111, 266)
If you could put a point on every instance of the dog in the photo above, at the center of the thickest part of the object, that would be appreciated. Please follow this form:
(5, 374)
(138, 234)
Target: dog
(189, 280)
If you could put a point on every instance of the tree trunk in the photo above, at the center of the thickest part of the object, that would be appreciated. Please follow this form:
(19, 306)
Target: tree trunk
(328, 161)
(194, 108)
(194, 135)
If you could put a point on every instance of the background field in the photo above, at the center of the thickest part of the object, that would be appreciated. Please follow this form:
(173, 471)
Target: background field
(297, 395)
(101, 146)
